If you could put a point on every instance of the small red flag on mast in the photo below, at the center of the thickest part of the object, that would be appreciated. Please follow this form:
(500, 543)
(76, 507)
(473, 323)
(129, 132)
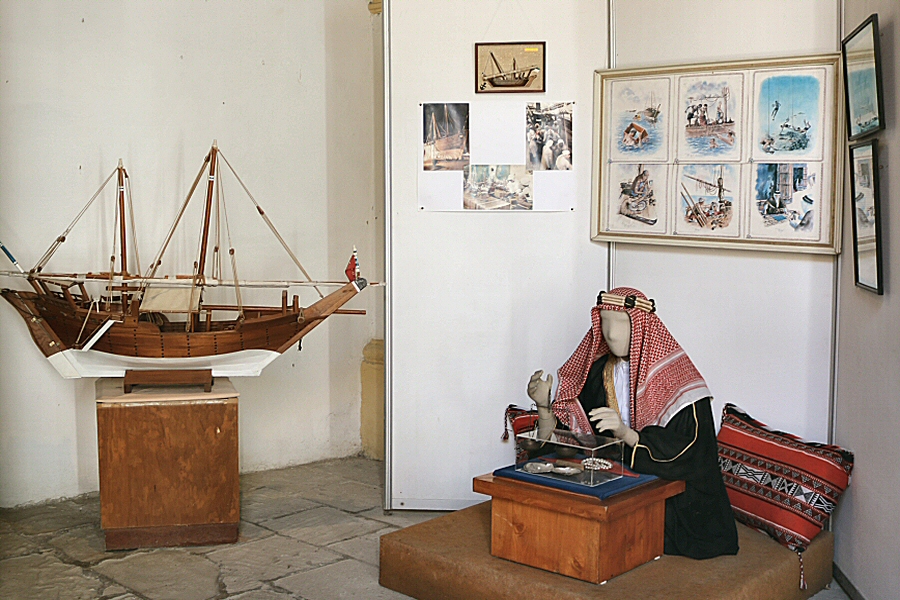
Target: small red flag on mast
(352, 269)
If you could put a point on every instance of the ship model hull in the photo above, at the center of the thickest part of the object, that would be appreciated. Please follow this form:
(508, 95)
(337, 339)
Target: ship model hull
(81, 342)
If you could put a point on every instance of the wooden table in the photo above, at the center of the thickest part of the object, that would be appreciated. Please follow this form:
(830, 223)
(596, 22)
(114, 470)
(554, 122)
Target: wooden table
(169, 471)
(574, 534)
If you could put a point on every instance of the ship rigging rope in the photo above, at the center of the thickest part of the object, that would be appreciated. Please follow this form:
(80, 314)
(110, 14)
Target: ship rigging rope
(269, 223)
(217, 255)
(137, 257)
(83, 325)
(112, 261)
(151, 271)
(62, 238)
(234, 272)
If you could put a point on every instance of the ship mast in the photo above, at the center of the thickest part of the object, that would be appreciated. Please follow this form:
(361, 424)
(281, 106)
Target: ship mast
(121, 198)
(207, 214)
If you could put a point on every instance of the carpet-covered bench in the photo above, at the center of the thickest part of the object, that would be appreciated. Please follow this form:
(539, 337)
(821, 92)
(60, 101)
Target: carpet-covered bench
(449, 558)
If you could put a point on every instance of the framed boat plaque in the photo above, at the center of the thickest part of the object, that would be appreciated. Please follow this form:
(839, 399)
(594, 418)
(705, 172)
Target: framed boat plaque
(510, 67)
(726, 155)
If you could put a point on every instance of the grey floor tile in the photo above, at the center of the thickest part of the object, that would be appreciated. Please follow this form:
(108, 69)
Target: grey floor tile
(42, 576)
(835, 592)
(322, 526)
(351, 496)
(15, 544)
(170, 574)
(366, 548)
(402, 518)
(116, 591)
(244, 567)
(263, 594)
(55, 516)
(363, 470)
(265, 503)
(347, 580)
(85, 544)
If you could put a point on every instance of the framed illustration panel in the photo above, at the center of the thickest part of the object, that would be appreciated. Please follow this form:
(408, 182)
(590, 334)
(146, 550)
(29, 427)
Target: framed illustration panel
(866, 217)
(864, 92)
(509, 67)
(735, 155)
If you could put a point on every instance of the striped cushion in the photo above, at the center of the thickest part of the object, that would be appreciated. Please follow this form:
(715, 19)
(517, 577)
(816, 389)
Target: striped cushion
(777, 482)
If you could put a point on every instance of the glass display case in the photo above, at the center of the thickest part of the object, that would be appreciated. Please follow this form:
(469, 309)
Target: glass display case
(588, 460)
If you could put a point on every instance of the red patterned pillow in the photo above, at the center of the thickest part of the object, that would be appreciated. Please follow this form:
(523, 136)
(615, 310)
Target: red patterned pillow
(777, 482)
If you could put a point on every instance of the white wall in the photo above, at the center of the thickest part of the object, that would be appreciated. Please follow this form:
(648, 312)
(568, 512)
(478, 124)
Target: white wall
(757, 324)
(479, 300)
(283, 86)
(867, 407)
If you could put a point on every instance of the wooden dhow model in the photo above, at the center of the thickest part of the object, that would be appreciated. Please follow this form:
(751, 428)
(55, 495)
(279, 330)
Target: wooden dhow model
(149, 322)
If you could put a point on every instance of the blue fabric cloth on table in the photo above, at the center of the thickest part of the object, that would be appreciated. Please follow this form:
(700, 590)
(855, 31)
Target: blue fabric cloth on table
(603, 491)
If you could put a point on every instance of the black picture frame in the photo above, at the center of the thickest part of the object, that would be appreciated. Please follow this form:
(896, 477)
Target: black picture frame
(861, 55)
(510, 67)
(865, 213)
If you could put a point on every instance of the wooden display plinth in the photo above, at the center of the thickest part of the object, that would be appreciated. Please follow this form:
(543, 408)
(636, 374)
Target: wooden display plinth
(574, 534)
(169, 471)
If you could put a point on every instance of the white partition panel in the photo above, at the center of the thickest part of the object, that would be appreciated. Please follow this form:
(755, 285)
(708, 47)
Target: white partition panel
(758, 325)
(479, 300)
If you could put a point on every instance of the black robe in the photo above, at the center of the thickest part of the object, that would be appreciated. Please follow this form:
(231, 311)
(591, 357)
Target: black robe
(699, 521)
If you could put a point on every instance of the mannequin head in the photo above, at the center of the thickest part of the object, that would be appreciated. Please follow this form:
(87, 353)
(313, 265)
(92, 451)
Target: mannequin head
(616, 327)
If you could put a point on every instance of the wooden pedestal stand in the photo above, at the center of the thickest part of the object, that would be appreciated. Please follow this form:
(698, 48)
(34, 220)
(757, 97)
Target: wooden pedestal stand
(168, 465)
(201, 377)
(574, 534)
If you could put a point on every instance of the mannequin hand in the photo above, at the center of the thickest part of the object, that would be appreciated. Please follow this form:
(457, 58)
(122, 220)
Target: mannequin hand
(607, 419)
(539, 389)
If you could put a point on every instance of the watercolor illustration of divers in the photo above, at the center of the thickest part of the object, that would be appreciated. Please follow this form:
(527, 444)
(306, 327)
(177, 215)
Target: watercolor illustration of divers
(788, 106)
(446, 137)
(777, 186)
(514, 77)
(711, 210)
(637, 199)
(497, 187)
(709, 128)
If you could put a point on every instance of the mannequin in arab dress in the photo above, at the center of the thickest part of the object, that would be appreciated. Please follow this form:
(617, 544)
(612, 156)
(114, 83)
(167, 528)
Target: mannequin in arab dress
(630, 378)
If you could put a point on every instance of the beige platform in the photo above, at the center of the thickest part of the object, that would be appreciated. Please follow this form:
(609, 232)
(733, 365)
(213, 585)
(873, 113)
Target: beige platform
(449, 558)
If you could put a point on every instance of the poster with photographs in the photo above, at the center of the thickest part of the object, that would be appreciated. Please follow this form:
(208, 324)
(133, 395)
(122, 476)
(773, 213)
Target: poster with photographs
(734, 155)
(502, 155)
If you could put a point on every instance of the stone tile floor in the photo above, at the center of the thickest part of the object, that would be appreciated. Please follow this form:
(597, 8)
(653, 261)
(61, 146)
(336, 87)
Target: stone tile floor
(309, 532)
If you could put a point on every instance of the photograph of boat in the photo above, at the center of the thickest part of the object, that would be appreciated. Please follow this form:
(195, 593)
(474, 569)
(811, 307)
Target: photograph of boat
(509, 67)
(138, 319)
(446, 137)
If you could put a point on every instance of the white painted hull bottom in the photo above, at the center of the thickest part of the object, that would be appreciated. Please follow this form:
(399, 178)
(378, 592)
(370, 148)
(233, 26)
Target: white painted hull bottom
(73, 364)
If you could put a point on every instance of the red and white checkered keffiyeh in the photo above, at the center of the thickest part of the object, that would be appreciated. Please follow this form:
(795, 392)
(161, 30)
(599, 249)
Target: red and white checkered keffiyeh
(663, 378)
